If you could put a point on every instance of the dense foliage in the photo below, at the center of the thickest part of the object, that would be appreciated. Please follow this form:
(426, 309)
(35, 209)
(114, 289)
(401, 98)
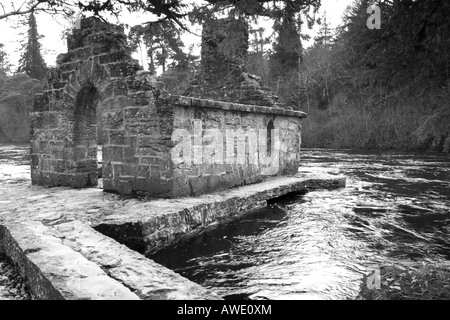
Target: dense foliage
(174, 10)
(380, 88)
(4, 64)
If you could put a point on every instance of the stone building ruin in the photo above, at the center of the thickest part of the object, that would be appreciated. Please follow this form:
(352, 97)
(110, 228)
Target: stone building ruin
(99, 95)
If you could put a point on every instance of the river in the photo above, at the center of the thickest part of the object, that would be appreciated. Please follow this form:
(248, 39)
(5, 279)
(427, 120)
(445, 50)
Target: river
(14, 169)
(318, 245)
(394, 210)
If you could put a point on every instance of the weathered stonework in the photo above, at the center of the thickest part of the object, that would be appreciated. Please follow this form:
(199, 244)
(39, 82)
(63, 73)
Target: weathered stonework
(223, 73)
(98, 95)
(194, 179)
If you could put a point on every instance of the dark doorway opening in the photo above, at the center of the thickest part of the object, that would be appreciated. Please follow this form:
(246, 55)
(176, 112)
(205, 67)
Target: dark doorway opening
(86, 133)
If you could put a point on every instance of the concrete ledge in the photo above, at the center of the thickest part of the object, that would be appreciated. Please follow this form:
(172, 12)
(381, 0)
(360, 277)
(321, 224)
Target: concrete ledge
(148, 226)
(146, 278)
(205, 103)
(73, 261)
(49, 234)
(55, 271)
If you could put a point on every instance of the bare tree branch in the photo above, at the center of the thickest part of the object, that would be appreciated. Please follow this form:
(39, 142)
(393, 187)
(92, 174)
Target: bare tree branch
(15, 12)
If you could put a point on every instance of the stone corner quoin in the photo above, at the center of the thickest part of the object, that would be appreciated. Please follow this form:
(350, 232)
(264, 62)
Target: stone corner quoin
(99, 96)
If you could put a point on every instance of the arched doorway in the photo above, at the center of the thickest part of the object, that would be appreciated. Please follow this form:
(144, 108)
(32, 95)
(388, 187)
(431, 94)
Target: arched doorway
(87, 125)
(270, 128)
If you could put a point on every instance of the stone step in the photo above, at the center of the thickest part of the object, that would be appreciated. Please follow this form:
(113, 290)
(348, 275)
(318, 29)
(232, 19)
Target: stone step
(72, 261)
(55, 271)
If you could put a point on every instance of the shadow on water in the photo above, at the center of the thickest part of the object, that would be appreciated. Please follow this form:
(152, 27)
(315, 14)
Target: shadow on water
(319, 245)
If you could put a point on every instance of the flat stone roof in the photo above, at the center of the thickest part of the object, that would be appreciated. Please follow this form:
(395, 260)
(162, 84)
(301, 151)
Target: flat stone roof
(231, 106)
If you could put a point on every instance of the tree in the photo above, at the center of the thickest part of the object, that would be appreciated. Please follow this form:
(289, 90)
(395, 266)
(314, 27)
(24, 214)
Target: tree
(285, 59)
(173, 10)
(163, 43)
(31, 61)
(325, 34)
(413, 42)
(258, 56)
(4, 64)
(258, 42)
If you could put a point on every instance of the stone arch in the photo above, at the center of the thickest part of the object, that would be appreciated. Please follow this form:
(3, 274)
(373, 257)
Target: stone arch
(85, 133)
(84, 99)
(97, 84)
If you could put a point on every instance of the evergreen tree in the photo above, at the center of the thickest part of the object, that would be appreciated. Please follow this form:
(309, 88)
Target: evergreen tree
(286, 57)
(258, 41)
(325, 34)
(4, 64)
(163, 44)
(31, 61)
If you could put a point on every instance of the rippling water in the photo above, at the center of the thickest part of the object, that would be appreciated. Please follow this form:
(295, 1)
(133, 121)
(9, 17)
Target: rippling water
(395, 209)
(14, 169)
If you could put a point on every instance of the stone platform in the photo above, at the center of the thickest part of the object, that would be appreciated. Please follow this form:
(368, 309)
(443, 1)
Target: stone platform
(59, 236)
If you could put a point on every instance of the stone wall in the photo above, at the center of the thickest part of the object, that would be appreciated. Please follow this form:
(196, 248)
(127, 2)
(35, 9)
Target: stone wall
(224, 75)
(225, 157)
(97, 95)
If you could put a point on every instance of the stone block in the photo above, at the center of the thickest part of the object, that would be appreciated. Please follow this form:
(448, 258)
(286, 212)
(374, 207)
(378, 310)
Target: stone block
(79, 181)
(57, 166)
(114, 153)
(124, 187)
(141, 82)
(155, 172)
(127, 170)
(151, 161)
(117, 170)
(112, 120)
(117, 137)
(142, 98)
(45, 120)
(113, 57)
(123, 68)
(79, 153)
(41, 103)
(142, 171)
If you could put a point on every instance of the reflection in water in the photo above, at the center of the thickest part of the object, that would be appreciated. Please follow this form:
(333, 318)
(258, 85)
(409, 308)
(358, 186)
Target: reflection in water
(395, 209)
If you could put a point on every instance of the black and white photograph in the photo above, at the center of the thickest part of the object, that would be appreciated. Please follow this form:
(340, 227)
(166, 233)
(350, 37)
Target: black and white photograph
(224, 155)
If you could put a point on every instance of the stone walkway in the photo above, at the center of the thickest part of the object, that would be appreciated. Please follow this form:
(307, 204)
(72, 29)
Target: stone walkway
(50, 234)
